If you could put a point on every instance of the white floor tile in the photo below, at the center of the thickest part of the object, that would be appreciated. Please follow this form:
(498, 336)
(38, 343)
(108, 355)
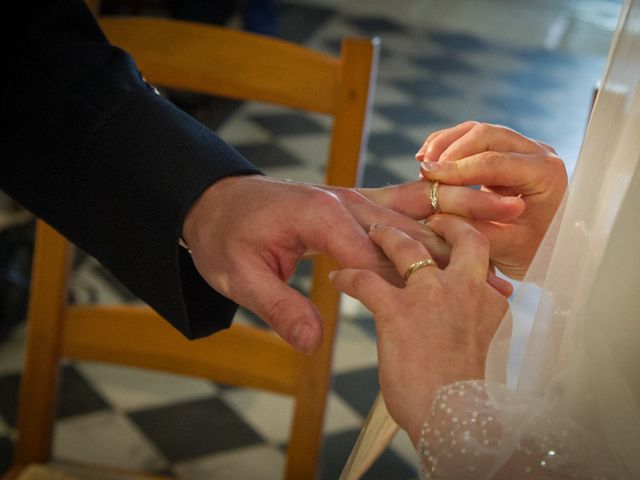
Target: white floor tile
(262, 462)
(340, 416)
(85, 285)
(12, 352)
(350, 307)
(354, 349)
(5, 430)
(404, 167)
(105, 438)
(313, 148)
(386, 94)
(412, 42)
(268, 413)
(336, 28)
(133, 388)
(238, 129)
(396, 68)
(402, 445)
(380, 124)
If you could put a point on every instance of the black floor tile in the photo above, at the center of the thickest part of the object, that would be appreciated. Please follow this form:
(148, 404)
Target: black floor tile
(77, 396)
(297, 23)
(462, 42)
(376, 175)
(6, 454)
(518, 105)
(532, 80)
(210, 110)
(543, 59)
(336, 449)
(376, 25)
(409, 115)
(190, 429)
(358, 388)
(9, 391)
(332, 45)
(440, 64)
(391, 144)
(288, 123)
(265, 155)
(426, 88)
(390, 465)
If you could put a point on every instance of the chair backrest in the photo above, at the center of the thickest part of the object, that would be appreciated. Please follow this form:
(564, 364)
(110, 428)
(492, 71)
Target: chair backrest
(235, 64)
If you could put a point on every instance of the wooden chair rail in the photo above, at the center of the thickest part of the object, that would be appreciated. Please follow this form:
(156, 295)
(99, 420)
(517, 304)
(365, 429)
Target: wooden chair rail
(138, 336)
(187, 54)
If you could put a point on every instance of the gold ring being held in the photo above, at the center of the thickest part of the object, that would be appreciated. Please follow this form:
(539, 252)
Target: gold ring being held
(434, 196)
(414, 267)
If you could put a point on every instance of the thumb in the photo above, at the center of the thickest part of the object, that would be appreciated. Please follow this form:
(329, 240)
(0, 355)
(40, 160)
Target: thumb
(287, 311)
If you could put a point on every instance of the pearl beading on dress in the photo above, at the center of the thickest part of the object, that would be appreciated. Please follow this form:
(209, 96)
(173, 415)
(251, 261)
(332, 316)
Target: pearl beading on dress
(466, 437)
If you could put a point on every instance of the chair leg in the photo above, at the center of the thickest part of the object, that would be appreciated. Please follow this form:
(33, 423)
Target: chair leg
(39, 383)
(314, 382)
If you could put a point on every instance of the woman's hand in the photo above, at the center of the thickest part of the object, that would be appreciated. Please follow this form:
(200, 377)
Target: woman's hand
(435, 330)
(504, 162)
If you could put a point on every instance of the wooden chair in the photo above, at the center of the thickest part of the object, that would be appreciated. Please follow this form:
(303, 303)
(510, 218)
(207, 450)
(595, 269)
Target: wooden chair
(235, 64)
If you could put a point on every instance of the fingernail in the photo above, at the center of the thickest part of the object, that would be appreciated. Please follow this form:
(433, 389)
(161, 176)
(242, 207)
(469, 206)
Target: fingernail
(302, 333)
(430, 166)
(419, 155)
(332, 274)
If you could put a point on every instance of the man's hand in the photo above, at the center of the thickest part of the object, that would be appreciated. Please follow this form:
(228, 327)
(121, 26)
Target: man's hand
(247, 234)
(508, 163)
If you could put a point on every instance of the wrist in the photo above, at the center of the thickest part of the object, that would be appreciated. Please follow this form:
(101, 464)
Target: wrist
(205, 206)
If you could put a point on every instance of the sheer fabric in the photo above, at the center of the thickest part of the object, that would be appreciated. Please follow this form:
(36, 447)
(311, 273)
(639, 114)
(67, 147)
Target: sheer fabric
(562, 395)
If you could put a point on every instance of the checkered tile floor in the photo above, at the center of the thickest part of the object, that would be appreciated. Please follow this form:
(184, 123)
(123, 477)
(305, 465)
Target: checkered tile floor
(432, 74)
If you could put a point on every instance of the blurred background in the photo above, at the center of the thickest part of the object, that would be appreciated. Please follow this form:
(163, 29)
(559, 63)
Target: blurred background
(530, 64)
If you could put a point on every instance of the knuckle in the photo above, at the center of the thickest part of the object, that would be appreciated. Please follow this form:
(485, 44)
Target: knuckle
(478, 239)
(402, 243)
(492, 158)
(558, 164)
(502, 303)
(481, 129)
(326, 207)
(276, 310)
(351, 195)
(556, 169)
(548, 148)
(468, 124)
(322, 199)
(361, 280)
(491, 161)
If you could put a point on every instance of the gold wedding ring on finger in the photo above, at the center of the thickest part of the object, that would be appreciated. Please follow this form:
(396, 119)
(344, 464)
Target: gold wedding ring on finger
(414, 267)
(434, 196)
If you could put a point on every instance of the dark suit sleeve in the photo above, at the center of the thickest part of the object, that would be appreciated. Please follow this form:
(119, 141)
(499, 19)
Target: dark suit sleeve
(89, 148)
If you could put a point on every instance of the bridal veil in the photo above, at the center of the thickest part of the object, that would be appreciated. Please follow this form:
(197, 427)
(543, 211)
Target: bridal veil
(561, 398)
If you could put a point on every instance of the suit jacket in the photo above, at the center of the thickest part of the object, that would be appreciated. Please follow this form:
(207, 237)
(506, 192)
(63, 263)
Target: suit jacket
(88, 147)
